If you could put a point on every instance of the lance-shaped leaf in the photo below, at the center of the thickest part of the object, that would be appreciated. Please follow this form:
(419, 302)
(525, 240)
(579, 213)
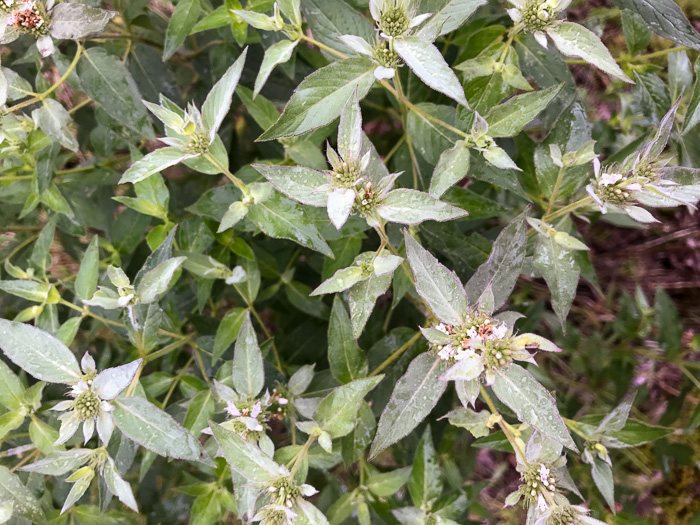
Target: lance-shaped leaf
(574, 40)
(509, 118)
(448, 15)
(227, 331)
(603, 477)
(426, 61)
(340, 281)
(218, 101)
(73, 21)
(276, 54)
(30, 290)
(38, 353)
(337, 412)
(321, 96)
(665, 18)
(347, 360)
(560, 270)
(248, 371)
(24, 503)
(452, 167)
(350, 129)
(692, 116)
(117, 486)
(425, 483)
(244, 457)
(437, 285)
(155, 283)
(60, 462)
(155, 429)
(362, 298)
(406, 206)
(309, 514)
(182, 21)
(475, 422)
(86, 280)
(532, 404)
(616, 420)
(414, 396)
(339, 204)
(296, 182)
(53, 119)
(154, 162)
(283, 219)
(108, 82)
(502, 268)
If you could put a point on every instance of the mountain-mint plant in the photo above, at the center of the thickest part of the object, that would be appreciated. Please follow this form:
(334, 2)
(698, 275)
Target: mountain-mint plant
(331, 261)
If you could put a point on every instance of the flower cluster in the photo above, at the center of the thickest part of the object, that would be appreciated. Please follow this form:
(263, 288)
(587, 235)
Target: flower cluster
(284, 495)
(27, 17)
(395, 17)
(482, 345)
(537, 16)
(91, 395)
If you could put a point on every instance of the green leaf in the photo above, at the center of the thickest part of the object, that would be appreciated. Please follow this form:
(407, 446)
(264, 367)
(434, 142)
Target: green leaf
(24, 502)
(574, 40)
(665, 18)
(532, 403)
(74, 21)
(337, 412)
(425, 484)
(200, 410)
(692, 116)
(448, 15)
(43, 435)
(108, 82)
(276, 54)
(329, 19)
(635, 433)
(183, 20)
(309, 514)
(474, 422)
(502, 269)
(282, 218)
(86, 280)
(603, 477)
(387, 484)
(347, 360)
(362, 297)
(12, 391)
(426, 61)
(296, 182)
(637, 34)
(350, 130)
(509, 118)
(218, 101)
(452, 167)
(53, 119)
(406, 206)
(30, 290)
(321, 96)
(354, 444)
(156, 282)
(248, 373)
(154, 429)
(669, 325)
(244, 457)
(617, 419)
(560, 270)
(117, 486)
(38, 353)
(340, 281)
(438, 286)
(414, 396)
(10, 421)
(227, 331)
(154, 162)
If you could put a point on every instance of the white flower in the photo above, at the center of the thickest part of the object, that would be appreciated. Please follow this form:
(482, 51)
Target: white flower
(90, 405)
(500, 331)
(610, 178)
(544, 474)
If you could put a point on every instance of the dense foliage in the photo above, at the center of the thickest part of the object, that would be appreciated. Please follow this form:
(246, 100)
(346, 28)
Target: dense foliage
(313, 262)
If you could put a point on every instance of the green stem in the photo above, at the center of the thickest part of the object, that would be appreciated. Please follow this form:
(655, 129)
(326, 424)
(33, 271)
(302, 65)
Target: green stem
(396, 354)
(238, 182)
(300, 455)
(322, 46)
(54, 87)
(555, 191)
(567, 209)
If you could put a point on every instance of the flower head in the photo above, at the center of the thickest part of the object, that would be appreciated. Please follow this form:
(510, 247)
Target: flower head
(538, 16)
(395, 17)
(91, 395)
